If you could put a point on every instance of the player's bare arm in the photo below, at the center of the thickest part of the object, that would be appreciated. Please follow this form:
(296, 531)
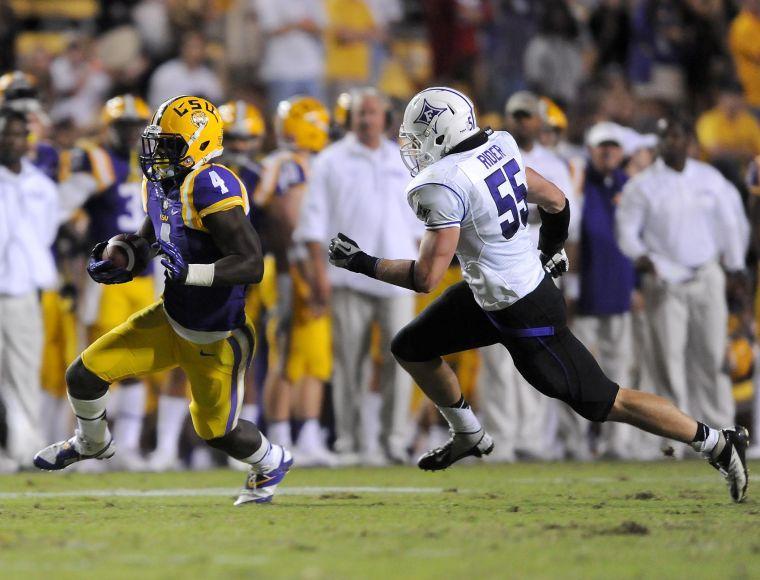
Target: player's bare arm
(320, 284)
(544, 193)
(243, 261)
(421, 275)
(555, 221)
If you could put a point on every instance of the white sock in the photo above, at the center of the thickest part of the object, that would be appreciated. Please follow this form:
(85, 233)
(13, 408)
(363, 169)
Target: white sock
(372, 402)
(310, 436)
(461, 420)
(129, 415)
(266, 458)
(279, 432)
(171, 416)
(250, 412)
(713, 443)
(92, 425)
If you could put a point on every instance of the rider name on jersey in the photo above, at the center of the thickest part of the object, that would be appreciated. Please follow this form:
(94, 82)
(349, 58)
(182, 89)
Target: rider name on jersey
(491, 156)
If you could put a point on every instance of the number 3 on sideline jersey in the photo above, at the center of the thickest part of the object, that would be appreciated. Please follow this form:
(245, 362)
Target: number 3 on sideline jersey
(507, 205)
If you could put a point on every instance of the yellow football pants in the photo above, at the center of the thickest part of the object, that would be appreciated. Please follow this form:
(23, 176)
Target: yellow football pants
(146, 343)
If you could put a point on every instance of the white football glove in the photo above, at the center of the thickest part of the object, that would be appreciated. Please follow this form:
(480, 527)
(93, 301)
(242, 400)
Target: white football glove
(557, 264)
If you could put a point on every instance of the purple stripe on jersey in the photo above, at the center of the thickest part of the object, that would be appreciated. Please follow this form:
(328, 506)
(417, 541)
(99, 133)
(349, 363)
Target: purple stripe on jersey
(434, 226)
(251, 344)
(237, 355)
(455, 192)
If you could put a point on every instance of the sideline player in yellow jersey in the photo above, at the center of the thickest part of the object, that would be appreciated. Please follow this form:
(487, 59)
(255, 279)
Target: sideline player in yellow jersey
(197, 214)
(109, 177)
(300, 339)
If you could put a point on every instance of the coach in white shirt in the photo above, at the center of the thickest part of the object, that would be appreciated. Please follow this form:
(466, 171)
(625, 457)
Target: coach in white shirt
(28, 224)
(678, 221)
(357, 184)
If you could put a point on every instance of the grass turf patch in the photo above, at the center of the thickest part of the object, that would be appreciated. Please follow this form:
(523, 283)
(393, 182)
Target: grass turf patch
(623, 520)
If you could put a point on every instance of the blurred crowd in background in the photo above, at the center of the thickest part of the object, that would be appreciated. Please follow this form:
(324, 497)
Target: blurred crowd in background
(581, 84)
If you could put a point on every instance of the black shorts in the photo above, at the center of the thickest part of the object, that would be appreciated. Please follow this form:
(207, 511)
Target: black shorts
(534, 331)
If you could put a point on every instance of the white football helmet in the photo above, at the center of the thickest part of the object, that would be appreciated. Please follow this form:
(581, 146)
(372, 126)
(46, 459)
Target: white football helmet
(435, 120)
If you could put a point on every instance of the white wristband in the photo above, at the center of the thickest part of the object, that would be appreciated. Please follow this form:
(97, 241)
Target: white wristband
(200, 275)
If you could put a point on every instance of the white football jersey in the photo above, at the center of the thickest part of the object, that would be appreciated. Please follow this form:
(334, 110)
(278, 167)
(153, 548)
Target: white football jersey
(482, 191)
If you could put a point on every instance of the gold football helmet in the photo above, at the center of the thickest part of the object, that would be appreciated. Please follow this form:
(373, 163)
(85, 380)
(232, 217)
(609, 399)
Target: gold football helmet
(126, 108)
(553, 115)
(302, 123)
(18, 91)
(184, 133)
(242, 120)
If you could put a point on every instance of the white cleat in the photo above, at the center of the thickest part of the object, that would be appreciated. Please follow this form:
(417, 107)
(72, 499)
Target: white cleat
(260, 487)
(64, 453)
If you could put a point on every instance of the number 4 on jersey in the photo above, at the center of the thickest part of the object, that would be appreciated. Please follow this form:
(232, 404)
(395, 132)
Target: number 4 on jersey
(507, 204)
(217, 181)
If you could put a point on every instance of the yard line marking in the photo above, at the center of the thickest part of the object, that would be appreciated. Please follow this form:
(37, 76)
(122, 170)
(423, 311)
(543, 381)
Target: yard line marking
(211, 492)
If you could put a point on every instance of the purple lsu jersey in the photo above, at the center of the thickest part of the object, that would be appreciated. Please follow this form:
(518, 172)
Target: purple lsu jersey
(47, 159)
(117, 205)
(177, 217)
(291, 174)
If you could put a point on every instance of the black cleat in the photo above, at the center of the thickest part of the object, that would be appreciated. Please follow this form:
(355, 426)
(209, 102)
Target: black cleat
(731, 462)
(460, 445)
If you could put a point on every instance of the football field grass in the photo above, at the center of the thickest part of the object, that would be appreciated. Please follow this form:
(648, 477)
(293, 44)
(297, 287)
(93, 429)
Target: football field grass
(604, 520)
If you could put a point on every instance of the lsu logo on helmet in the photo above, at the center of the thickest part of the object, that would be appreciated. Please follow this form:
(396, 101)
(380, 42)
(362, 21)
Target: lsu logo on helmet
(184, 133)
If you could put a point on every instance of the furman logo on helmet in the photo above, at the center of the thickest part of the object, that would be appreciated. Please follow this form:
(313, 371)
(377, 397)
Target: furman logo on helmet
(429, 114)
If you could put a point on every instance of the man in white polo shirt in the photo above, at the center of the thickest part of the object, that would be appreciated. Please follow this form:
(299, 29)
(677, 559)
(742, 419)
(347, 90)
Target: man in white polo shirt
(358, 184)
(28, 224)
(682, 223)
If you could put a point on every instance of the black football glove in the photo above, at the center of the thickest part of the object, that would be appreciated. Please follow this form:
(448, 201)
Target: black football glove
(556, 264)
(345, 253)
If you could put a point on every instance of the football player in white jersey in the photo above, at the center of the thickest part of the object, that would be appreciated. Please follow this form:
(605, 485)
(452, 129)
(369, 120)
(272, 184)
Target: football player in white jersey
(471, 189)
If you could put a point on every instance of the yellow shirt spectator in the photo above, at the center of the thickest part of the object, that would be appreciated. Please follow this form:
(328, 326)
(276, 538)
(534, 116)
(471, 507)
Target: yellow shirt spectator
(350, 30)
(729, 129)
(744, 42)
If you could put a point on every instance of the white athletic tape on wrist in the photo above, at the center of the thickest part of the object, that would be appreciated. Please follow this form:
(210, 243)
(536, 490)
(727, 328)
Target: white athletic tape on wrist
(200, 275)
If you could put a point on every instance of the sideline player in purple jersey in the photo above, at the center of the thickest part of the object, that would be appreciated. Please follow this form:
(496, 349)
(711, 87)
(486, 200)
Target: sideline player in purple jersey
(197, 215)
(471, 189)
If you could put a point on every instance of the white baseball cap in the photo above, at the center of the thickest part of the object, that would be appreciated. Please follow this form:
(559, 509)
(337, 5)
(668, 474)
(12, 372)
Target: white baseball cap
(604, 132)
(634, 141)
